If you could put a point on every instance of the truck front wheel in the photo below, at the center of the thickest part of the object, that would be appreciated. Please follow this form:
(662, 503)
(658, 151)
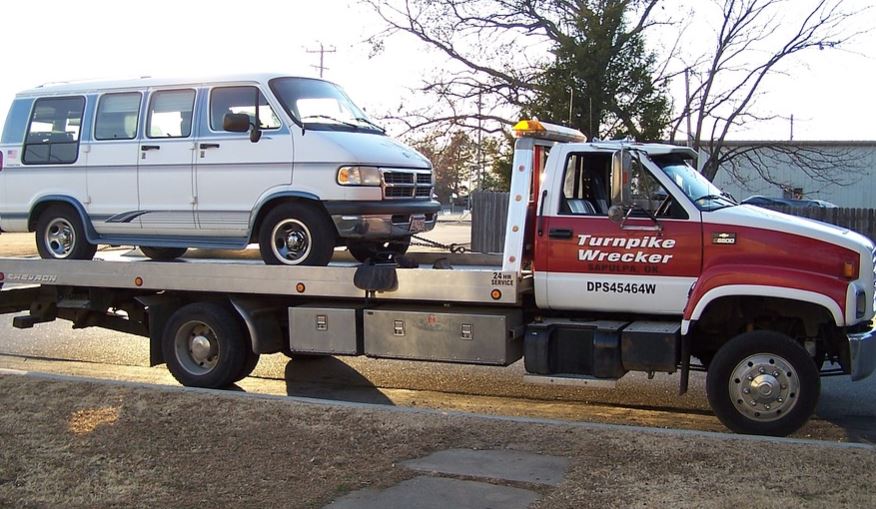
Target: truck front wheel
(763, 383)
(204, 346)
(296, 234)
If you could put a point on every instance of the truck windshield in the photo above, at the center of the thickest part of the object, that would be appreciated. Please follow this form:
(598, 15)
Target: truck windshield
(320, 105)
(704, 194)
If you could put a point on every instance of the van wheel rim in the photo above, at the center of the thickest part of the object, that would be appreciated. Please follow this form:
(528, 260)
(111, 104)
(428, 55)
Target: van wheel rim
(197, 348)
(764, 387)
(291, 241)
(60, 237)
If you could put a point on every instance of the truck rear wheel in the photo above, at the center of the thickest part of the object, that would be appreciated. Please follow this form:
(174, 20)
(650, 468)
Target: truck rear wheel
(164, 254)
(252, 359)
(61, 236)
(364, 249)
(763, 383)
(296, 234)
(205, 346)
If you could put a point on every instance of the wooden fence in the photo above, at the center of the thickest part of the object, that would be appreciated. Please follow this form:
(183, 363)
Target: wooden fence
(862, 221)
(489, 211)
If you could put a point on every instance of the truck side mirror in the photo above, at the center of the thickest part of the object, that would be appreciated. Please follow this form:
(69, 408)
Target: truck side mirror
(236, 122)
(621, 179)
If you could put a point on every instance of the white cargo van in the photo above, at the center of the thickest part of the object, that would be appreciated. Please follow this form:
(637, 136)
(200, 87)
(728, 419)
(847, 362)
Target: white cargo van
(289, 163)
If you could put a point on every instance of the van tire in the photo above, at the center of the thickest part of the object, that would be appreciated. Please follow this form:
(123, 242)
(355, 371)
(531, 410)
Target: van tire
(309, 236)
(364, 249)
(60, 235)
(163, 254)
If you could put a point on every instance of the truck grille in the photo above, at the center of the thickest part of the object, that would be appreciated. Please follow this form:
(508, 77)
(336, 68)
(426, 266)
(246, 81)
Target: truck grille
(399, 184)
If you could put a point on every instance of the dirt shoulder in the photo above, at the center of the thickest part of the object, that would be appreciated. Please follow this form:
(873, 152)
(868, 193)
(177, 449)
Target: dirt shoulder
(80, 444)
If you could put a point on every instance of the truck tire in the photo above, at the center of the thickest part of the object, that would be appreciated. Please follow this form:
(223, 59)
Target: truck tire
(365, 249)
(296, 234)
(763, 383)
(205, 346)
(163, 254)
(61, 236)
(252, 360)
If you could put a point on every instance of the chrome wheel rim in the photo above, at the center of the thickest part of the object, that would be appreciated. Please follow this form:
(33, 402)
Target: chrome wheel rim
(764, 387)
(291, 241)
(197, 348)
(60, 237)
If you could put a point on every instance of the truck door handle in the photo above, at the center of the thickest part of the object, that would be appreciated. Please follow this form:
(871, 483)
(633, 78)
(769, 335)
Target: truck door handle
(150, 147)
(209, 145)
(560, 233)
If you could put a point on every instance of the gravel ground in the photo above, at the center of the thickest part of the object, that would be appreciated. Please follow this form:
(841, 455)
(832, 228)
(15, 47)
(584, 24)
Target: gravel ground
(81, 444)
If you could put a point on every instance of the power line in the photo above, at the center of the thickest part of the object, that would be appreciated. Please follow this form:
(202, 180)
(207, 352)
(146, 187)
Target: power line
(322, 51)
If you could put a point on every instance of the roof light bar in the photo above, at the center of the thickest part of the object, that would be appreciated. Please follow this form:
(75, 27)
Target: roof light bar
(535, 128)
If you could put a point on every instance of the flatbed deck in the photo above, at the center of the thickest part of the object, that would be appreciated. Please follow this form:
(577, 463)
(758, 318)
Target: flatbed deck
(464, 283)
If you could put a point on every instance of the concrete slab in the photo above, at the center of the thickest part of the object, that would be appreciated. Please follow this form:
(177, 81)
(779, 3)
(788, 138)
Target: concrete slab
(498, 464)
(438, 493)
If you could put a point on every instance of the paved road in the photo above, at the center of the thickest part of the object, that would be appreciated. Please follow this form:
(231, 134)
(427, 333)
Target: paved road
(846, 411)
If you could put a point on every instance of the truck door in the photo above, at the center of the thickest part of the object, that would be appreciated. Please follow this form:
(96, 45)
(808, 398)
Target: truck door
(232, 172)
(165, 177)
(585, 261)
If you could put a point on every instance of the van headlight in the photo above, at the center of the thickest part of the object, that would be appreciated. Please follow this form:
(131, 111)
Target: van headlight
(359, 176)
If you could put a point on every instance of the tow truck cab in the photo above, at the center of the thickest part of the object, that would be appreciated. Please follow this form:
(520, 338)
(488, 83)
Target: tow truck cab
(640, 255)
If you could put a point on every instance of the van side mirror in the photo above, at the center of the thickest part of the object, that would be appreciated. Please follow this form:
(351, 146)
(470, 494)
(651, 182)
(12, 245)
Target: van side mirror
(621, 179)
(236, 122)
(239, 123)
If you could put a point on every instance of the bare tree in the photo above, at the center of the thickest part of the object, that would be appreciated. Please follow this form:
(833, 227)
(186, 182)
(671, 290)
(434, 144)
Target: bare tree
(757, 39)
(501, 51)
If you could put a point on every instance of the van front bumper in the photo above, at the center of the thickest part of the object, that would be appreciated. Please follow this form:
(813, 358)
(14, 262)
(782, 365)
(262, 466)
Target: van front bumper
(862, 354)
(383, 219)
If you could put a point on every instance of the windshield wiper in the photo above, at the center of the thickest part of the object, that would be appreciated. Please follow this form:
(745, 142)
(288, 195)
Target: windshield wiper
(333, 119)
(723, 195)
(372, 124)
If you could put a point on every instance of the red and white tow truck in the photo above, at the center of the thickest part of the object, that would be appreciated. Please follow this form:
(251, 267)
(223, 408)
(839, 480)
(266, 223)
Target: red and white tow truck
(618, 257)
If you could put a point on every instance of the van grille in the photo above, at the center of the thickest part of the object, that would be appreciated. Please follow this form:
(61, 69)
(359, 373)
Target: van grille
(399, 184)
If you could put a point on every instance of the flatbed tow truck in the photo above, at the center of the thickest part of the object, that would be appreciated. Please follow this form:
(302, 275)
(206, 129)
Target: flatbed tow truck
(618, 257)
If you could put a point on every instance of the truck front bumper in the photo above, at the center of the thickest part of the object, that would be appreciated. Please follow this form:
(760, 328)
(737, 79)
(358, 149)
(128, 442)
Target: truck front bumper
(383, 219)
(862, 353)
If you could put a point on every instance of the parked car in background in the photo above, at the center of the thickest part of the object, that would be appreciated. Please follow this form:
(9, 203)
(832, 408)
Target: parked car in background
(286, 162)
(764, 201)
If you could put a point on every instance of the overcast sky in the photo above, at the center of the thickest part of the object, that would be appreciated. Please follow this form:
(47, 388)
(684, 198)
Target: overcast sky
(63, 40)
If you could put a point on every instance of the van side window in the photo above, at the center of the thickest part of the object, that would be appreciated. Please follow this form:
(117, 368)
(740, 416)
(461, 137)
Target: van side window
(227, 100)
(117, 116)
(53, 132)
(585, 184)
(170, 114)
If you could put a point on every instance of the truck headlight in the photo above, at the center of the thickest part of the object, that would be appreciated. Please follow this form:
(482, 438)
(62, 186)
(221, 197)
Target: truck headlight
(359, 176)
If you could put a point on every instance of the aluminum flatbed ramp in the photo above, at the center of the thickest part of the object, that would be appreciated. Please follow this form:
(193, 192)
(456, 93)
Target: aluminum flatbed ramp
(469, 284)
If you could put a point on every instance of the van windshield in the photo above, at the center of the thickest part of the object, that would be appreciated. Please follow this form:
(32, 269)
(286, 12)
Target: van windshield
(320, 105)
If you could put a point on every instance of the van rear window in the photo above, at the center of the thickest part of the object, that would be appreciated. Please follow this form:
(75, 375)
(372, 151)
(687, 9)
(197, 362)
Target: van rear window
(117, 116)
(53, 131)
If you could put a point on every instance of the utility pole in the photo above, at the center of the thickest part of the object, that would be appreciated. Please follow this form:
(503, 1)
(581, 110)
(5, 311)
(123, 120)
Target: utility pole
(687, 105)
(480, 155)
(322, 51)
(571, 99)
(792, 127)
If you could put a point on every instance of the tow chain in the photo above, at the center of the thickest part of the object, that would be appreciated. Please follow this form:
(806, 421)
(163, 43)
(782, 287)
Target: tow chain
(453, 248)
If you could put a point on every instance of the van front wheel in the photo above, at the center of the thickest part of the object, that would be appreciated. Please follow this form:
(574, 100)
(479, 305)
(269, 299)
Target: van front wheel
(296, 234)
